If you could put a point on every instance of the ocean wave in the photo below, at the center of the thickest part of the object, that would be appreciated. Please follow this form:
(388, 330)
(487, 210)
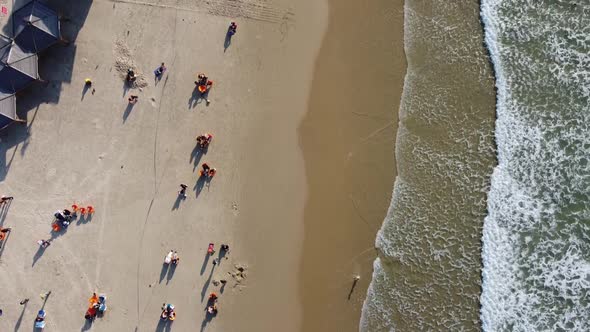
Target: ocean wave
(428, 274)
(536, 237)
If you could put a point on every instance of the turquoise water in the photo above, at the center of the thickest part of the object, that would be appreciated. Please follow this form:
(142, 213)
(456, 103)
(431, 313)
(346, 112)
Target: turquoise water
(536, 239)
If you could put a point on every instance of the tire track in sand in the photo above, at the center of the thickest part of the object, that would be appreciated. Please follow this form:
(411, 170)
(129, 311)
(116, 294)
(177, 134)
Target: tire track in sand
(254, 9)
(157, 181)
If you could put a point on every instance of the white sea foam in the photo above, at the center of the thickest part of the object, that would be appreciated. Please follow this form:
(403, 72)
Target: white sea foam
(427, 276)
(536, 238)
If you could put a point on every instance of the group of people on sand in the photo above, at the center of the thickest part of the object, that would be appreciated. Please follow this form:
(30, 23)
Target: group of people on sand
(64, 217)
(203, 84)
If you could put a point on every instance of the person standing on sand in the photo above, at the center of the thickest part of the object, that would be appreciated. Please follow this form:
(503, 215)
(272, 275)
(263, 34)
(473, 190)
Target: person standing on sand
(182, 191)
(160, 70)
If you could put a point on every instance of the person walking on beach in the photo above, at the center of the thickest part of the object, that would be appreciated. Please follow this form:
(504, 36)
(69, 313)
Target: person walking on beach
(160, 70)
(23, 302)
(182, 191)
(5, 199)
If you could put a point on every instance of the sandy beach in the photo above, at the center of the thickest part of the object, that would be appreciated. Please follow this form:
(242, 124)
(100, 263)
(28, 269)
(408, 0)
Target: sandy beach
(91, 148)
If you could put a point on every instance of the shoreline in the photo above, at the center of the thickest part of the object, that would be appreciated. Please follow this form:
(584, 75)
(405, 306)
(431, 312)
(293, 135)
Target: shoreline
(347, 131)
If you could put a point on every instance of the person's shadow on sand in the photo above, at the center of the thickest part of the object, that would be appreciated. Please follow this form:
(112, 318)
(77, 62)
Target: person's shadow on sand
(207, 319)
(221, 256)
(127, 112)
(170, 274)
(227, 41)
(196, 155)
(87, 325)
(163, 326)
(19, 321)
(205, 261)
(38, 255)
(164, 271)
(197, 96)
(201, 181)
(85, 90)
(179, 198)
(206, 284)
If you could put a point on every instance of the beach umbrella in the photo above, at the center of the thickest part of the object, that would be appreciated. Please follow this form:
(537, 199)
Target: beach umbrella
(18, 67)
(7, 108)
(35, 27)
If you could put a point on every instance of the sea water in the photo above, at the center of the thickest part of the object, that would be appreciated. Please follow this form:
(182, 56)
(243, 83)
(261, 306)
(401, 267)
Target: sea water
(428, 273)
(536, 238)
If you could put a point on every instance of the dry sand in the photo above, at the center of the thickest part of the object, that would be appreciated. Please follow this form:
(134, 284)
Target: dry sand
(92, 148)
(348, 143)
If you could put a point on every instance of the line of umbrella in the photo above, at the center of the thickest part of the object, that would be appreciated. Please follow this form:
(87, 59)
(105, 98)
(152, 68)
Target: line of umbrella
(35, 28)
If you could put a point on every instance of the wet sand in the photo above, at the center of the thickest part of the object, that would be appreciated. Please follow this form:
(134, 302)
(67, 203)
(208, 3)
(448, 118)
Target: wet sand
(348, 139)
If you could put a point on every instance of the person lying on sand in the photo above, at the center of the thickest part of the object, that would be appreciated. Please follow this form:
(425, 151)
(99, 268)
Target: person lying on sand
(5, 199)
(3, 232)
